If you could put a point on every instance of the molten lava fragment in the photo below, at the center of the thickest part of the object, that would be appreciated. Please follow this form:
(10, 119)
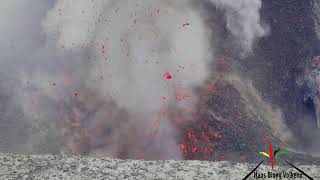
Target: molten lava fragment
(182, 147)
(194, 149)
(179, 96)
(167, 76)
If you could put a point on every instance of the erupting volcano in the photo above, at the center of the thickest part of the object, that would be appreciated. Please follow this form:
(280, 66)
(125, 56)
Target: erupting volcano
(157, 80)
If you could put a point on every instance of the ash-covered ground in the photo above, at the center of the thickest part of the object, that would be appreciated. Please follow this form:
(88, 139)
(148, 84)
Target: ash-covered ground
(158, 80)
(59, 167)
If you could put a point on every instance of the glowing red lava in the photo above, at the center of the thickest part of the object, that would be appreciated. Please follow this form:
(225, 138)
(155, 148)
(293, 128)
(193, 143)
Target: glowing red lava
(198, 143)
(167, 76)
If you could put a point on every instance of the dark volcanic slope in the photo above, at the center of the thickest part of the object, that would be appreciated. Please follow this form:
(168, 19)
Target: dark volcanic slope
(276, 66)
(282, 56)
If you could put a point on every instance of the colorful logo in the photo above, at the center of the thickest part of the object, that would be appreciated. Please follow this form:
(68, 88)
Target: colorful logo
(275, 155)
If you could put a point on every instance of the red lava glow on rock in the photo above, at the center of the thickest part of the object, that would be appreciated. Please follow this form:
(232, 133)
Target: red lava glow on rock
(199, 143)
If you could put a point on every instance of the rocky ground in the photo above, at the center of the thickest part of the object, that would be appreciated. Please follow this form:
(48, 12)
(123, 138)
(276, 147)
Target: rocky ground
(59, 167)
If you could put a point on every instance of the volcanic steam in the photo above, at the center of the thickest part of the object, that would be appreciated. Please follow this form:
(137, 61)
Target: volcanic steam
(118, 77)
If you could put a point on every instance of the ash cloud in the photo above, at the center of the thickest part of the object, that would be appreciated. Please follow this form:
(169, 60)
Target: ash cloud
(103, 62)
(243, 21)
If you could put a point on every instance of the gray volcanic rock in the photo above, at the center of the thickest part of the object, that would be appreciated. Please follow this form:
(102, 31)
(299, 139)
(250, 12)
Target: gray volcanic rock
(60, 167)
(312, 83)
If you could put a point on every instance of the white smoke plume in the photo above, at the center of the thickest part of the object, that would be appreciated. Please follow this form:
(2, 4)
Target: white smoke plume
(133, 57)
(243, 21)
